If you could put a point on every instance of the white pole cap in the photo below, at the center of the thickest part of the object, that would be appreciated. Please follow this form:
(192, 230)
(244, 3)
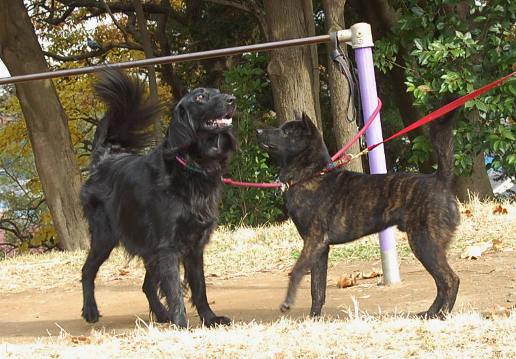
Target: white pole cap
(361, 35)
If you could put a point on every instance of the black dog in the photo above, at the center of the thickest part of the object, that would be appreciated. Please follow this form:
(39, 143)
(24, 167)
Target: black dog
(162, 206)
(342, 206)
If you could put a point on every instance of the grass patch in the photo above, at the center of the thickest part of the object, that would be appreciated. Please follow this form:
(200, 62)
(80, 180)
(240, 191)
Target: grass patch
(466, 335)
(246, 250)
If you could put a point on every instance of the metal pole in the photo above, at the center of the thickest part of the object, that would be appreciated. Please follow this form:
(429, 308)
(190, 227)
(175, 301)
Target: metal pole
(169, 59)
(362, 43)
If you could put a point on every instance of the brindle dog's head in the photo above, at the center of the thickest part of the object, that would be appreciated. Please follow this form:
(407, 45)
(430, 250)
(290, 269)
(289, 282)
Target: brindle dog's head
(293, 140)
(201, 125)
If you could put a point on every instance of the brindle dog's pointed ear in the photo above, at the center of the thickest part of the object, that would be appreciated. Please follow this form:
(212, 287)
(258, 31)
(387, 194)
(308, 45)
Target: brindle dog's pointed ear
(307, 121)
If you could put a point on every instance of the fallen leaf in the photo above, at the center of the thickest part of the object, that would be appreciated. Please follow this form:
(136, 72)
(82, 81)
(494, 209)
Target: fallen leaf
(370, 275)
(468, 213)
(497, 244)
(500, 210)
(345, 282)
(122, 272)
(81, 339)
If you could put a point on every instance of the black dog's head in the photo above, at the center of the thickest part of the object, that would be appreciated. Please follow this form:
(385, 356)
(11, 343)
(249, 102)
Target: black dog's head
(201, 110)
(201, 125)
(292, 139)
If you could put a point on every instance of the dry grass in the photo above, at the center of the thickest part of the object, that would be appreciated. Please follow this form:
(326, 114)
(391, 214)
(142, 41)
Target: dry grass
(245, 251)
(274, 248)
(465, 335)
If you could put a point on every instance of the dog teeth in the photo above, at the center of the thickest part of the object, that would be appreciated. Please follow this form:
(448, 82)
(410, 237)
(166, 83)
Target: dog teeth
(224, 121)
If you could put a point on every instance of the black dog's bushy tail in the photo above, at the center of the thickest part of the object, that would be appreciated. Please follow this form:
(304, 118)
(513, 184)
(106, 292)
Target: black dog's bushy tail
(441, 134)
(126, 124)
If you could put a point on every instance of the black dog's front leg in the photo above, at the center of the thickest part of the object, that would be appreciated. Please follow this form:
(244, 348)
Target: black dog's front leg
(318, 282)
(312, 250)
(170, 283)
(194, 269)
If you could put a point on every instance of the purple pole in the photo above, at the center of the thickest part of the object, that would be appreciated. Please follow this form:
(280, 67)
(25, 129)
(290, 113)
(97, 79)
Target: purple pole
(369, 98)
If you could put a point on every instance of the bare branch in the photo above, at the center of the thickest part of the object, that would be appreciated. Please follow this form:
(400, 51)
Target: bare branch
(108, 9)
(97, 53)
(230, 3)
(249, 6)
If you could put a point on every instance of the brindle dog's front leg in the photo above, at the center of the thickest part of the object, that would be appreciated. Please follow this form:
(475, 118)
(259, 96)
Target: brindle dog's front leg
(312, 250)
(318, 282)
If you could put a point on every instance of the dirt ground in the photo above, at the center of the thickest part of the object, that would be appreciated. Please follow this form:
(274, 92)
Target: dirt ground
(487, 284)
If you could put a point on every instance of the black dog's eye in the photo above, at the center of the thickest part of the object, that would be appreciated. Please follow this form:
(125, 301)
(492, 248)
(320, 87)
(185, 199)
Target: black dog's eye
(199, 98)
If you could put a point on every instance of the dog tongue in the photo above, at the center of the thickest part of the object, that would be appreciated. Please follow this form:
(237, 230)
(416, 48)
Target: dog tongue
(224, 122)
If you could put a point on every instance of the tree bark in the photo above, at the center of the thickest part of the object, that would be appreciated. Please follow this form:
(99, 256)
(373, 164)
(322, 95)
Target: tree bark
(290, 69)
(308, 10)
(477, 183)
(47, 126)
(340, 100)
(147, 47)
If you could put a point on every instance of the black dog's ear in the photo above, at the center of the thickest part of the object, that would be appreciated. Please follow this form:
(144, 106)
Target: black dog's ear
(309, 125)
(181, 132)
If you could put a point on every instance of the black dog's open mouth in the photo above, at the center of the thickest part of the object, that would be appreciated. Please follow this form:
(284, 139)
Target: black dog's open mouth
(219, 123)
(267, 146)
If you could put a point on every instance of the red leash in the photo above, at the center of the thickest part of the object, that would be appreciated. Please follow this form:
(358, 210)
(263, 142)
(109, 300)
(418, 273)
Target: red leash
(445, 109)
(341, 159)
(359, 133)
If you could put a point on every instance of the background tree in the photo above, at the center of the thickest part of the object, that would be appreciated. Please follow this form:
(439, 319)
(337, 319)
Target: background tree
(452, 47)
(419, 55)
(291, 70)
(46, 125)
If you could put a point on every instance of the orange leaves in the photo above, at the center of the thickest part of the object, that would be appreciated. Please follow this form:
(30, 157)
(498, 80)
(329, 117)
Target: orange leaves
(352, 279)
(500, 210)
(468, 213)
(80, 339)
(345, 282)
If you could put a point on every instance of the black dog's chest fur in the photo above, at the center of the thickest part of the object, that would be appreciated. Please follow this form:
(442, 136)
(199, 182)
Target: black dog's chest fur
(152, 200)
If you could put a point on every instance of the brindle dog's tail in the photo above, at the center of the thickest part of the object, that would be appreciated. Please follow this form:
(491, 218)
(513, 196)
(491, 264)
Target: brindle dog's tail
(441, 134)
(126, 124)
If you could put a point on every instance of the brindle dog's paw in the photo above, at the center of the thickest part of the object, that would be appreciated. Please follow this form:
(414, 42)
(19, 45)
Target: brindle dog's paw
(285, 307)
(90, 313)
(215, 321)
(431, 315)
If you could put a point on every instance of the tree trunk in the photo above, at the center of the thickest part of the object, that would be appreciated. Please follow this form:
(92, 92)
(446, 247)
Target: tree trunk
(147, 47)
(477, 183)
(308, 11)
(47, 126)
(290, 69)
(341, 107)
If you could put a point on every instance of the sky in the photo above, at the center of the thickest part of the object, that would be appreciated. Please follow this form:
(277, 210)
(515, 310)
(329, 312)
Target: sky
(3, 70)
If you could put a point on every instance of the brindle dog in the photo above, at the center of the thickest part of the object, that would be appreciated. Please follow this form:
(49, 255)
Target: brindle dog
(342, 206)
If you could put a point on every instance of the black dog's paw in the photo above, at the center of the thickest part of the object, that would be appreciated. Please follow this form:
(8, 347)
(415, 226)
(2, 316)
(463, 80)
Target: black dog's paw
(161, 317)
(285, 307)
(90, 313)
(217, 321)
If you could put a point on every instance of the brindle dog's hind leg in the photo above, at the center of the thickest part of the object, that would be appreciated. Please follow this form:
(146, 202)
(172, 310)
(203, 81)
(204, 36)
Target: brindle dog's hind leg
(318, 282)
(312, 249)
(430, 249)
